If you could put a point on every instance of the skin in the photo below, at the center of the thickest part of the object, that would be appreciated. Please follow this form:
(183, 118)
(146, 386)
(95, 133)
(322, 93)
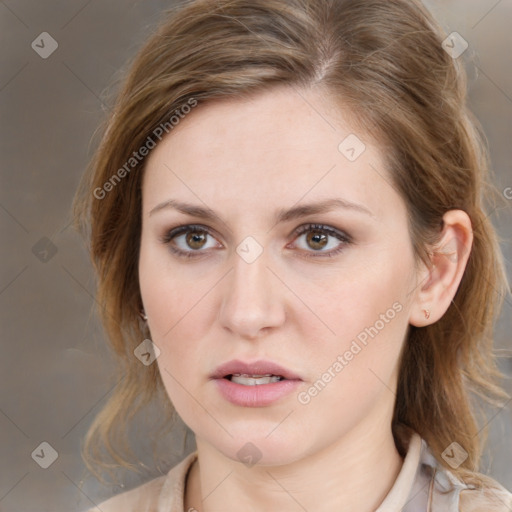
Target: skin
(246, 159)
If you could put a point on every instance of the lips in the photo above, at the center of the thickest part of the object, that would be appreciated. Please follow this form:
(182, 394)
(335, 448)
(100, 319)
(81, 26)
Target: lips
(256, 369)
(257, 384)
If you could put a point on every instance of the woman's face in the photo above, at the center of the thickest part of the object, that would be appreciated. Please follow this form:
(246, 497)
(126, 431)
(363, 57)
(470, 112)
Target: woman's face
(272, 276)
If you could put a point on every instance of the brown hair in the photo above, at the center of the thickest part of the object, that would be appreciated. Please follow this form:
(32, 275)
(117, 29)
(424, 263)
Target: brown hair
(384, 61)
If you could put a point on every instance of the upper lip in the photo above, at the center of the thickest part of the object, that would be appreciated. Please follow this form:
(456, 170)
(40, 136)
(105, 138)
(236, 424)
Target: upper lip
(260, 367)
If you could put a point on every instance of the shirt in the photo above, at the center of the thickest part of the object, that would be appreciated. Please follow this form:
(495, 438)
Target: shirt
(422, 485)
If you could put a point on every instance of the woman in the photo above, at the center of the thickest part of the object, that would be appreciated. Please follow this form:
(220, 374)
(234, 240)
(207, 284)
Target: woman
(286, 221)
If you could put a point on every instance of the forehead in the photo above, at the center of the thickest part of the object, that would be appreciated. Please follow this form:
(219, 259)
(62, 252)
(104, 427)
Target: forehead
(278, 146)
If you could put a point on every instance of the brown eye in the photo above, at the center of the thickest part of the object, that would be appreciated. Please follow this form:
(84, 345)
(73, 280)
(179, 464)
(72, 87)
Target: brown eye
(317, 240)
(190, 241)
(196, 239)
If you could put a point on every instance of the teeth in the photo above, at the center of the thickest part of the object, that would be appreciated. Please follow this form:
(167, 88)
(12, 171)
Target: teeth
(254, 380)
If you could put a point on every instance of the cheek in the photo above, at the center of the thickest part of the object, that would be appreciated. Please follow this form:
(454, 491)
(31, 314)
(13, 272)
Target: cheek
(365, 307)
(177, 314)
(352, 298)
(174, 309)
(356, 369)
(177, 304)
(169, 294)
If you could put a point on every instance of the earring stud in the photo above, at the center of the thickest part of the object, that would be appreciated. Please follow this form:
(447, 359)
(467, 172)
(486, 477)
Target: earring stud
(426, 313)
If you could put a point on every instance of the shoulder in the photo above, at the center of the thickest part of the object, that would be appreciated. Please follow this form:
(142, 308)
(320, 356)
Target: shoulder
(486, 496)
(449, 493)
(489, 499)
(161, 493)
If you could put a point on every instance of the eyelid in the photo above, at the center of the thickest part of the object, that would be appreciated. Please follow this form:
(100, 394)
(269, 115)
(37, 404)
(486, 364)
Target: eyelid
(185, 228)
(304, 228)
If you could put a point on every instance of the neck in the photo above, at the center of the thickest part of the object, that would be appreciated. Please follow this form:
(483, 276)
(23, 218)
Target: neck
(355, 473)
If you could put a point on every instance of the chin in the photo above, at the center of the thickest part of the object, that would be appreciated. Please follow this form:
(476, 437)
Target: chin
(259, 448)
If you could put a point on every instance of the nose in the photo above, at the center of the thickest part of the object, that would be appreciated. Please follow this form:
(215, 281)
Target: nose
(252, 303)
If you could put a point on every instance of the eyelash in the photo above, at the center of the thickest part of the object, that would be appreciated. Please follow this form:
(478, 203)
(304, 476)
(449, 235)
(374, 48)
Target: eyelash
(173, 233)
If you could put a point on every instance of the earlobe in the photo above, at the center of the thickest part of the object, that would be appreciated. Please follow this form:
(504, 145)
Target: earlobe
(440, 282)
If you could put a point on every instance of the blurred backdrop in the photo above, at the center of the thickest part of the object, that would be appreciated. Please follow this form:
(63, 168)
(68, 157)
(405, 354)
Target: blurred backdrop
(54, 367)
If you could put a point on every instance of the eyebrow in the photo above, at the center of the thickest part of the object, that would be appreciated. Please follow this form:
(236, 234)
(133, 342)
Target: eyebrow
(283, 215)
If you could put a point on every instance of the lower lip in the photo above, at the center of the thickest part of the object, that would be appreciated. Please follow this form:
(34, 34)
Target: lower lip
(255, 396)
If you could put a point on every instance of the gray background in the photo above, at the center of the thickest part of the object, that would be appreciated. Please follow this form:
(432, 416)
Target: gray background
(54, 367)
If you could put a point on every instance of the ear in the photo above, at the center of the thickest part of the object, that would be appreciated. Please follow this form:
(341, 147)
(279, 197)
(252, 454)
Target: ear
(438, 284)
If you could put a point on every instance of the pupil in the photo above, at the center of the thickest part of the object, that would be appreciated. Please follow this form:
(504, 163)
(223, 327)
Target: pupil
(196, 240)
(318, 239)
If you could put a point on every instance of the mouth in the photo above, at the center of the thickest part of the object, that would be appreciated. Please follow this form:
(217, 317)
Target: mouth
(253, 374)
(258, 384)
(253, 380)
